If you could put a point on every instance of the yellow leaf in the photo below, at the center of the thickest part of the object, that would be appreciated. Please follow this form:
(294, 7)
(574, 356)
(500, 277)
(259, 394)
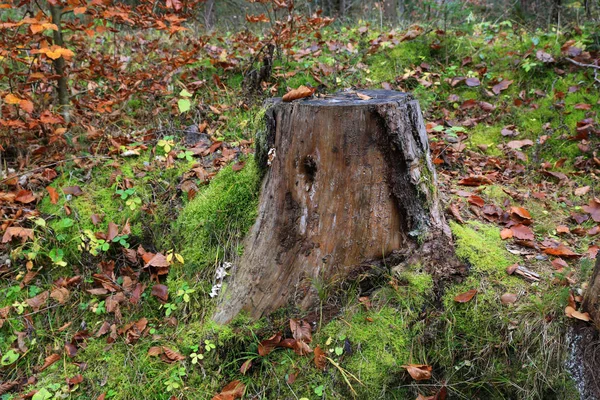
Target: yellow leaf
(11, 99)
(169, 257)
(179, 258)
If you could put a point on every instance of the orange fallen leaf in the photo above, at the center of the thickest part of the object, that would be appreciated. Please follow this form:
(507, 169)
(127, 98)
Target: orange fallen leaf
(320, 358)
(53, 194)
(298, 93)
(522, 232)
(561, 251)
(418, 372)
(506, 234)
(466, 296)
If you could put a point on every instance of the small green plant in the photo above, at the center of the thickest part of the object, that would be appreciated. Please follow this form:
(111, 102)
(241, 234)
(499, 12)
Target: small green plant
(167, 143)
(174, 382)
(184, 103)
(131, 200)
(125, 193)
(122, 240)
(319, 390)
(169, 308)
(57, 255)
(184, 293)
(188, 155)
(99, 308)
(209, 345)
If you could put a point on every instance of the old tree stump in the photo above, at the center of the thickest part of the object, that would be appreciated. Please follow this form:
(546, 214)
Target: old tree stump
(349, 181)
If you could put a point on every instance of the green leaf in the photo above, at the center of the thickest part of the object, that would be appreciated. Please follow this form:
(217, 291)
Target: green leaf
(185, 93)
(42, 394)
(10, 357)
(184, 105)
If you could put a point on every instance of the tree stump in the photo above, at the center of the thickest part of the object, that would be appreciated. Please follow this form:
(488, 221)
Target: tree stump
(591, 298)
(349, 180)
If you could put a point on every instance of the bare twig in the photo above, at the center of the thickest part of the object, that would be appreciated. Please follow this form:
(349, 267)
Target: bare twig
(581, 64)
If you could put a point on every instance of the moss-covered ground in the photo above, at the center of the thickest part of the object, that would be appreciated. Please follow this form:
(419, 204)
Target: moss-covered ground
(483, 348)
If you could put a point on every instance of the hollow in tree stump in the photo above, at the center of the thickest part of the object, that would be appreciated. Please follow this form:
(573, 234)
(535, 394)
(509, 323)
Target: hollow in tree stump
(348, 182)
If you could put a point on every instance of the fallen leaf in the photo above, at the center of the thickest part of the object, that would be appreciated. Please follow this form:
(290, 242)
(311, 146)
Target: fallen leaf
(506, 234)
(158, 260)
(301, 330)
(25, 196)
(582, 191)
(15, 231)
(418, 372)
(320, 358)
(363, 96)
(476, 200)
(113, 231)
(562, 229)
(475, 181)
(71, 349)
(172, 354)
(472, 82)
(466, 296)
(544, 57)
(60, 294)
(593, 208)
(522, 232)
(561, 251)
(72, 190)
(161, 292)
(503, 85)
(517, 144)
(38, 301)
(521, 212)
(51, 359)
(508, 298)
(53, 194)
(298, 93)
(246, 366)
(268, 345)
(155, 351)
(233, 390)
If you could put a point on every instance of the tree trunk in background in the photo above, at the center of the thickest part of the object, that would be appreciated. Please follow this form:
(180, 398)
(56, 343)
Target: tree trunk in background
(59, 63)
(209, 14)
(351, 182)
(591, 299)
(390, 11)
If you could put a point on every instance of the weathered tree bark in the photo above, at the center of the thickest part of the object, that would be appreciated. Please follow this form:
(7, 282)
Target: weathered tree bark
(350, 182)
(591, 299)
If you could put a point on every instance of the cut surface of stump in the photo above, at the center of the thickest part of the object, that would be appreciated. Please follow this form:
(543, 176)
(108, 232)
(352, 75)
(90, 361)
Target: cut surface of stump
(348, 181)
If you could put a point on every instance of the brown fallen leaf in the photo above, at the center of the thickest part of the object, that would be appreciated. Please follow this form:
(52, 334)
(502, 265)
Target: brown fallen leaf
(522, 232)
(53, 194)
(172, 355)
(582, 191)
(17, 232)
(299, 93)
(520, 212)
(363, 96)
(233, 390)
(38, 301)
(508, 298)
(60, 294)
(501, 86)
(161, 292)
(246, 366)
(418, 372)
(25, 196)
(320, 358)
(593, 208)
(155, 351)
(466, 296)
(51, 359)
(506, 234)
(72, 190)
(475, 181)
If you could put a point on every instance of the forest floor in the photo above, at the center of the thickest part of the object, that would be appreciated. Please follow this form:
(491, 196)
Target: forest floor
(111, 259)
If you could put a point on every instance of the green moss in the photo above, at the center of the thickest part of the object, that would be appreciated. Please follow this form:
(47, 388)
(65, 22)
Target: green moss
(489, 136)
(482, 247)
(212, 225)
(380, 343)
(388, 63)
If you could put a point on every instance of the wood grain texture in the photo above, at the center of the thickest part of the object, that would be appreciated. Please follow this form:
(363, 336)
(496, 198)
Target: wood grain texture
(351, 181)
